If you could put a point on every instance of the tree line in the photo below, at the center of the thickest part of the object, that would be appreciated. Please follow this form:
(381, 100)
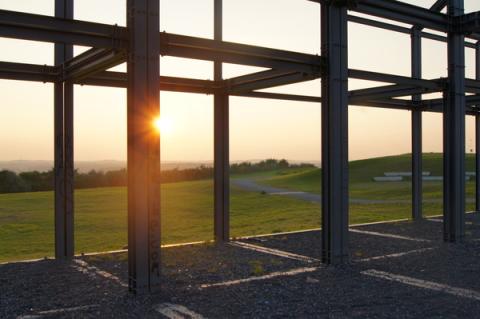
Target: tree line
(34, 181)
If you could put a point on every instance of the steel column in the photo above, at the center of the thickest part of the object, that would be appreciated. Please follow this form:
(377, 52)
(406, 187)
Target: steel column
(143, 107)
(63, 147)
(477, 163)
(334, 135)
(416, 61)
(477, 135)
(454, 134)
(221, 143)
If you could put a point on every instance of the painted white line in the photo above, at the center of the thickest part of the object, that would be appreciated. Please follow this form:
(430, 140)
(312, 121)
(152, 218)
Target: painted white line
(173, 311)
(382, 222)
(275, 252)
(41, 314)
(319, 229)
(366, 232)
(396, 255)
(430, 285)
(162, 246)
(435, 220)
(288, 273)
(93, 271)
(278, 234)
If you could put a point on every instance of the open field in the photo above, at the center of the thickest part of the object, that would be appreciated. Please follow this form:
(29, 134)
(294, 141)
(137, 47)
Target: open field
(26, 219)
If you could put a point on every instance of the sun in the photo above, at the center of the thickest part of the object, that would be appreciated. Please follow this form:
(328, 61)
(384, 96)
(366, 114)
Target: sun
(163, 125)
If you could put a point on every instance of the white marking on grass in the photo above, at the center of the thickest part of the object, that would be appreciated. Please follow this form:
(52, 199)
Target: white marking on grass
(41, 314)
(275, 252)
(366, 232)
(93, 271)
(396, 255)
(173, 311)
(430, 285)
(276, 274)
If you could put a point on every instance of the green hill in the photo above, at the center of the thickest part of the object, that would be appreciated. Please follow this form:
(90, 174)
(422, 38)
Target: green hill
(361, 174)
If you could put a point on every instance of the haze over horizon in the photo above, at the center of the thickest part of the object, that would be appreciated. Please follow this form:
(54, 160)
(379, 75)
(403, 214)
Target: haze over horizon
(259, 128)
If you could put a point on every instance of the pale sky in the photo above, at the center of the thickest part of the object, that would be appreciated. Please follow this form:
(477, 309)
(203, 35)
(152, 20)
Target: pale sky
(259, 128)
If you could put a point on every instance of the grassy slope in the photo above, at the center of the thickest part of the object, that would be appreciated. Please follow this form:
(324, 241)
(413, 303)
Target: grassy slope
(26, 220)
(361, 173)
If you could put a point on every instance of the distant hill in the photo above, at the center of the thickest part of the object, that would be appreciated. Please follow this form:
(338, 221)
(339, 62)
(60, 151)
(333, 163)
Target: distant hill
(19, 166)
(364, 170)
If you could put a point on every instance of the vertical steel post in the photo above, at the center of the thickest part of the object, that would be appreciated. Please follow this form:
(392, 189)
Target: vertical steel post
(477, 135)
(454, 133)
(416, 61)
(221, 144)
(63, 146)
(143, 106)
(334, 134)
(477, 163)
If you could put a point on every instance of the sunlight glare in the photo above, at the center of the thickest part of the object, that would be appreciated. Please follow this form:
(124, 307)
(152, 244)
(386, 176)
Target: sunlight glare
(163, 125)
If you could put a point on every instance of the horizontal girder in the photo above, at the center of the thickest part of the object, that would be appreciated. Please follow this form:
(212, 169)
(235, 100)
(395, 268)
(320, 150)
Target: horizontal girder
(382, 96)
(284, 67)
(36, 27)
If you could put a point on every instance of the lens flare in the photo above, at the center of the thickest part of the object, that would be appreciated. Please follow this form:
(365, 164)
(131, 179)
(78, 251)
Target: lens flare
(163, 125)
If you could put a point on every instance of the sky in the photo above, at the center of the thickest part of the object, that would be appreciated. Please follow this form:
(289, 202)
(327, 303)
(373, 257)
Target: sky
(259, 128)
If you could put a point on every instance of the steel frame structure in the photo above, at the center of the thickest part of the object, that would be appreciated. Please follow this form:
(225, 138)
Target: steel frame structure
(140, 44)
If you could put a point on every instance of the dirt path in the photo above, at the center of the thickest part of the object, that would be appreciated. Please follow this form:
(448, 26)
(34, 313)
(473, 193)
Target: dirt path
(252, 185)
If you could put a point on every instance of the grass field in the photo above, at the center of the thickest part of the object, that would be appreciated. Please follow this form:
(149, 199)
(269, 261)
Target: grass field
(26, 219)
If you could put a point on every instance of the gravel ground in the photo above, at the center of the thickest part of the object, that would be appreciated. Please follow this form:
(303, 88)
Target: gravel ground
(348, 291)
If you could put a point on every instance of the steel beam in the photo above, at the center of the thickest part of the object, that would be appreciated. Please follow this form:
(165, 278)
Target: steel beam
(439, 5)
(58, 29)
(221, 143)
(28, 72)
(254, 77)
(467, 23)
(391, 78)
(229, 52)
(143, 107)
(477, 162)
(381, 96)
(51, 74)
(477, 136)
(63, 147)
(386, 92)
(401, 29)
(416, 115)
(280, 96)
(280, 79)
(401, 12)
(334, 135)
(91, 62)
(396, 104)
(454, 134)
